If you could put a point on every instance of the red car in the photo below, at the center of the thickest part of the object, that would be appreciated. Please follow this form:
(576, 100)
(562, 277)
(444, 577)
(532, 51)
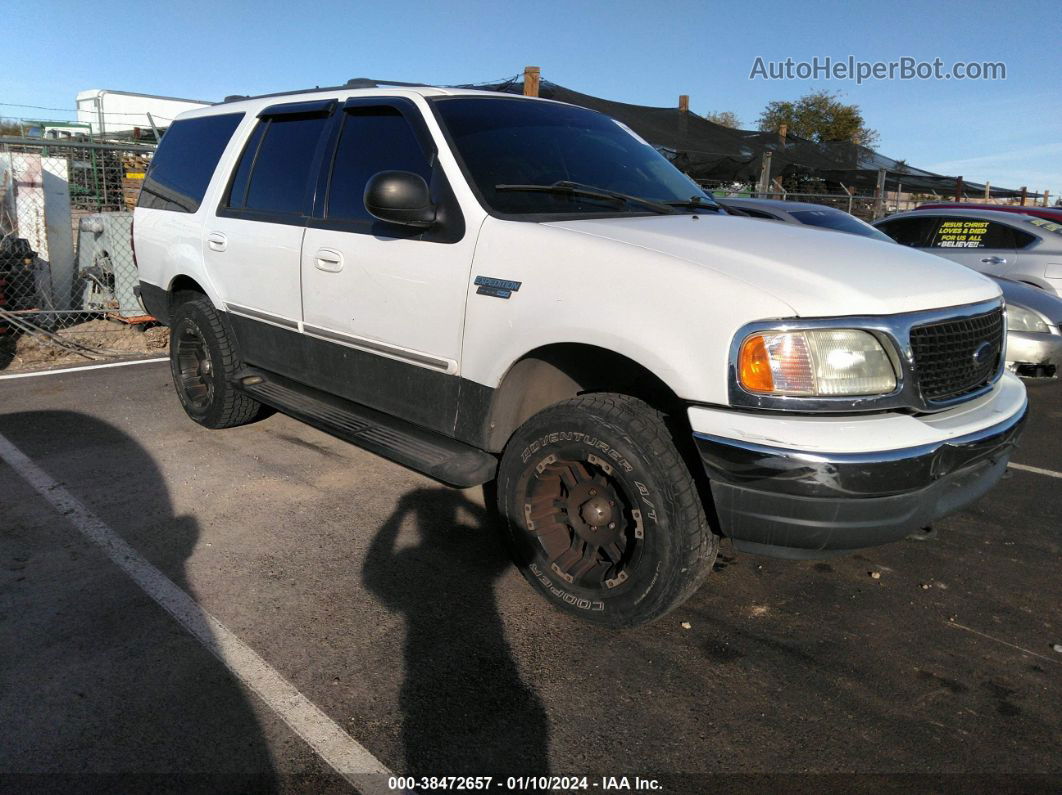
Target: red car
(1050, 213)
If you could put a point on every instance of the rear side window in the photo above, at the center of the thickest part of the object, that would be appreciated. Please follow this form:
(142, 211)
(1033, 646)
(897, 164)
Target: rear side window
(275, 170)
(185, 161)
(957, 232)
(373, 139)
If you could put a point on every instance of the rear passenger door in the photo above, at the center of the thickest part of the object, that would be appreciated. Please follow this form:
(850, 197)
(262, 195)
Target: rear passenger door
(253, 243)
(986, 246)
(385, 303)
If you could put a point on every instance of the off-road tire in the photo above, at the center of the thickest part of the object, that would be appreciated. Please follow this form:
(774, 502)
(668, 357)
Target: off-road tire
(208, 395)
(607, 459)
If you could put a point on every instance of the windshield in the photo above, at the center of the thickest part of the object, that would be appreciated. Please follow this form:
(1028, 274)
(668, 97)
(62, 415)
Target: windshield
(518, 142)
(842, 222)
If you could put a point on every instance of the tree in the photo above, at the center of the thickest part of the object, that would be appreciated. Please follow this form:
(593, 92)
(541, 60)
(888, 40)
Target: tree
(10, 127)
(819, 116)
(724, 118)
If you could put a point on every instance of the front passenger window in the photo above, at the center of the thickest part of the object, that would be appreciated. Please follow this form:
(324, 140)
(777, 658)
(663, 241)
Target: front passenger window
(373, 139)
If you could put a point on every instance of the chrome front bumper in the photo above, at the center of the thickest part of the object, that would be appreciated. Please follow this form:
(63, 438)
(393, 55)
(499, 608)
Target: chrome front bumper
(792, 503)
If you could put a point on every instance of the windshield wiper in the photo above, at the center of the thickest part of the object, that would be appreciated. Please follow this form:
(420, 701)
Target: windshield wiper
(568, 188)
(697, 203)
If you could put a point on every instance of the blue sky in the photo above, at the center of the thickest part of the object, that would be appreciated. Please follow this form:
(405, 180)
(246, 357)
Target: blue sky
(1009, 131)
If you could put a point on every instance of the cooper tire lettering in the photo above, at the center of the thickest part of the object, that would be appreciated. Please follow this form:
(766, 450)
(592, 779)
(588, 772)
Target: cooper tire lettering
(603, 518)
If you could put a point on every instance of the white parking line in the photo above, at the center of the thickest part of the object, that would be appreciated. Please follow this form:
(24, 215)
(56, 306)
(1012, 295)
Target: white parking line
(84, 367)
(348, 757)
(1026, 468)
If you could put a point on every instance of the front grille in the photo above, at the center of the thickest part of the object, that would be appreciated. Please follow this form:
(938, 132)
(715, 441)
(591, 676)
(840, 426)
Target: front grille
(945, 355)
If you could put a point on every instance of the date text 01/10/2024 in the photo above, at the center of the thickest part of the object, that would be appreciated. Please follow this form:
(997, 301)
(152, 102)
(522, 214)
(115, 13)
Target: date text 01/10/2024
(524, 783)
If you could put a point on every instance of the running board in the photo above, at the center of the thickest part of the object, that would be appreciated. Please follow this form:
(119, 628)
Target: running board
(431, 453)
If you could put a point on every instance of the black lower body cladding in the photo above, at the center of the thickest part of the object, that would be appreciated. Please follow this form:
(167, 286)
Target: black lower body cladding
(789, 504)
(603, 516)
(156, 301)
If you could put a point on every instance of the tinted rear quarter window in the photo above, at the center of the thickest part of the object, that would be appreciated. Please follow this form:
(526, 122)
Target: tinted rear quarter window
(185, 161)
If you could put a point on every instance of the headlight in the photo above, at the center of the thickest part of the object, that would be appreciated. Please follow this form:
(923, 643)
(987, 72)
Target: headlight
(1021, 319)
(815, 362)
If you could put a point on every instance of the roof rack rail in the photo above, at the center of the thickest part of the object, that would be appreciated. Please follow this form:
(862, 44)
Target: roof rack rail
(354, 82)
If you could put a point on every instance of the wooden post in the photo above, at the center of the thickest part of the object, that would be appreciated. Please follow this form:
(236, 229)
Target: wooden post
(879, 194)
(684, 102)
(958, 189)
(531, 76)
(765, 173)
(783, 131)
(1024, 194)
(1047, 194)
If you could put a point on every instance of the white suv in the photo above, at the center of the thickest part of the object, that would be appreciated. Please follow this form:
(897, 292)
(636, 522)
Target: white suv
(494, 288)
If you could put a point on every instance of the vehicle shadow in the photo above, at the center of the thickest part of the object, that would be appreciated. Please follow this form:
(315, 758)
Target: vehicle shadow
(466, 710)
(101, 688)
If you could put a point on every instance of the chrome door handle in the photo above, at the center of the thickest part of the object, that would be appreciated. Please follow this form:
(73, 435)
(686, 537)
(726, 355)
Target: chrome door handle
(328, 260)
(994, 260)
(217, 241)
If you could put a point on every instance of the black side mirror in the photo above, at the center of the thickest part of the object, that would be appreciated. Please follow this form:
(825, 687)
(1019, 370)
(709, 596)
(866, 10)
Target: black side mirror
(400, 197)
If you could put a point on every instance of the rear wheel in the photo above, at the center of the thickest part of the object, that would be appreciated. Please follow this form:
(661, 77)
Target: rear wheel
(603, 516)
(203, 362)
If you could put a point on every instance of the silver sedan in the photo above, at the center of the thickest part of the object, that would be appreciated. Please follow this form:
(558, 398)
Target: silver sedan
(1018, 247)
(1034, 315)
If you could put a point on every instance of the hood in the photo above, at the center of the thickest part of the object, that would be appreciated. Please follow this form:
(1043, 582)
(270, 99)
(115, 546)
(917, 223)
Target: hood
(818, 272)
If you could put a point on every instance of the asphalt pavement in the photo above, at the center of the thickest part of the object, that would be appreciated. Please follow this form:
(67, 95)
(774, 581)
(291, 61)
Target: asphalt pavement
(386, 600)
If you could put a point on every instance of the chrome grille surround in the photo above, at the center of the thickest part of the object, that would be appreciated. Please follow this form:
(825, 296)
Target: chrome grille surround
(894, 332)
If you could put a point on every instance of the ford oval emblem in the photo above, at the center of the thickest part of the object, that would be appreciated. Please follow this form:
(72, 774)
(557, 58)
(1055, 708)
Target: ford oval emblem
(983, 352)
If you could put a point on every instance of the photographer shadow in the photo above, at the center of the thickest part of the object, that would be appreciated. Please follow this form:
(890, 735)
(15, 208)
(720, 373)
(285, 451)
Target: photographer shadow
(101, 688)
(466, 710)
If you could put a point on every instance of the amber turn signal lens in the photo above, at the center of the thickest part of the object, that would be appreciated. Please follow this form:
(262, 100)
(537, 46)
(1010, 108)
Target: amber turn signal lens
(754, 366)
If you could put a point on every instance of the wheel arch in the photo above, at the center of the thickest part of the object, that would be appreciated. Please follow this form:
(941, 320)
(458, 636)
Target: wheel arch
(183, 283)
(552, 373)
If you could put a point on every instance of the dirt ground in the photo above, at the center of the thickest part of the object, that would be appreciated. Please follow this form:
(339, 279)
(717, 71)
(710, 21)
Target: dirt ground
(109, 339)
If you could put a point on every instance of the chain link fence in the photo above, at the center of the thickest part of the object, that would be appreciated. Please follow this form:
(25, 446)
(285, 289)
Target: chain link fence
(67, 272)
(867, 207)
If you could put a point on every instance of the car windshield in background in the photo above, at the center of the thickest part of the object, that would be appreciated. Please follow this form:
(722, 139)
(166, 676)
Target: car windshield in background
(842, 222)
(537, 151)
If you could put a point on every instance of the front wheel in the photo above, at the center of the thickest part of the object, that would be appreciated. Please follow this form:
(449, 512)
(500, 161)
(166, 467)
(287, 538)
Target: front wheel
(603, 516)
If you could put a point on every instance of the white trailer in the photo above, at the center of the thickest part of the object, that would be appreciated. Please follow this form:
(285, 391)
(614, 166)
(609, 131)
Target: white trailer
(111, 111)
